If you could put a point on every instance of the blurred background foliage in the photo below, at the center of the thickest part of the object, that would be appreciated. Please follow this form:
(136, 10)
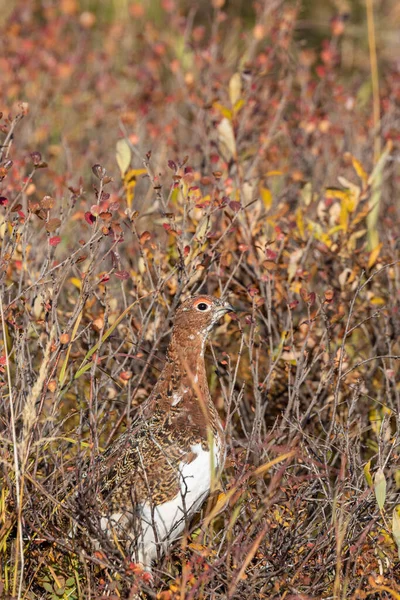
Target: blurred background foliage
(159, 148)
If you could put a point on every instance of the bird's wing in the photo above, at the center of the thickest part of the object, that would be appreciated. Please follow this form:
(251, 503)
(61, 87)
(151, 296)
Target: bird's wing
(142, 465)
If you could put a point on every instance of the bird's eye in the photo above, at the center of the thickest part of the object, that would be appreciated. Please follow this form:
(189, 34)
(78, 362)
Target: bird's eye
(203, 306)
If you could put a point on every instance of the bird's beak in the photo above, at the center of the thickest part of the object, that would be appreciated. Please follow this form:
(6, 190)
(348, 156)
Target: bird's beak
(227, 308)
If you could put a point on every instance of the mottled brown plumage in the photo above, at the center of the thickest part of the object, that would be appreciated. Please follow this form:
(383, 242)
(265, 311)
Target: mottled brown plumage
(158, 473)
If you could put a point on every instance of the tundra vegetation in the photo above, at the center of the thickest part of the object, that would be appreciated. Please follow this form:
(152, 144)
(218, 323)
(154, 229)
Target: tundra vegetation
(150, 150)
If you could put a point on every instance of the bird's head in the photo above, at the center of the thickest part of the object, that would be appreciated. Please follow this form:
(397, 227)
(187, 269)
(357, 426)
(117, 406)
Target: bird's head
(197, 315)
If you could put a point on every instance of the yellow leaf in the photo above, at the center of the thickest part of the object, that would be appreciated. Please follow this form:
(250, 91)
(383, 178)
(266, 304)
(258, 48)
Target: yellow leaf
(377, 301)
(335, 229)
(235, 88)
(380, 488)
(123, 156)
(300, 222)
(239, 104)
(351, 202)
(359, 169)
(296, 285)
(374, 255)
(131, 176)
(225, 112)
(273, 173)
(266, 197)
(130, 180)
(324, 238)
(76, 282)
(174, 195)
(277, 516)
(344, 216)
(335, 193)
(367, 474)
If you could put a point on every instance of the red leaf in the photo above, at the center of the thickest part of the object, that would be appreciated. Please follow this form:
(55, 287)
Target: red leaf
(126, 375)
(3, 201)
(235, 206)
(54, 241)
(89, 218)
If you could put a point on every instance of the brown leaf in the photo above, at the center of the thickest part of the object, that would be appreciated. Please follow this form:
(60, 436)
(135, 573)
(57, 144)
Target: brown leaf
(64, 338)
(144, 237)
(52, 225)
(47, 202)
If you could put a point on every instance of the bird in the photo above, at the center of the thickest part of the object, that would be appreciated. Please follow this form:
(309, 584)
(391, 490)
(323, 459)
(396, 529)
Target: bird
(155, 476)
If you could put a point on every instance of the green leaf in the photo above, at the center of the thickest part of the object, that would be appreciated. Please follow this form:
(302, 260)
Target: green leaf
(380, 488)
(60, 591)
(123, 156)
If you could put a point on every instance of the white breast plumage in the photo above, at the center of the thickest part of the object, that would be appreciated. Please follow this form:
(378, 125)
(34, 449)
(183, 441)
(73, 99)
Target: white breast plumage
(160, 525)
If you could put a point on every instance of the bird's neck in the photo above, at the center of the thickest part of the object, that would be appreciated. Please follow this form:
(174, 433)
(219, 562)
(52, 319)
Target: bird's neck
(188, 357)
(185, 379)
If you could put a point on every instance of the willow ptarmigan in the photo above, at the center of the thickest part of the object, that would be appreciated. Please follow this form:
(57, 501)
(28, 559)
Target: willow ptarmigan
(158, 473)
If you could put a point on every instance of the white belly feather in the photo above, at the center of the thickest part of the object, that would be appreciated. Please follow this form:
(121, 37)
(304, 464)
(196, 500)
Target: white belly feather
(160, 525)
